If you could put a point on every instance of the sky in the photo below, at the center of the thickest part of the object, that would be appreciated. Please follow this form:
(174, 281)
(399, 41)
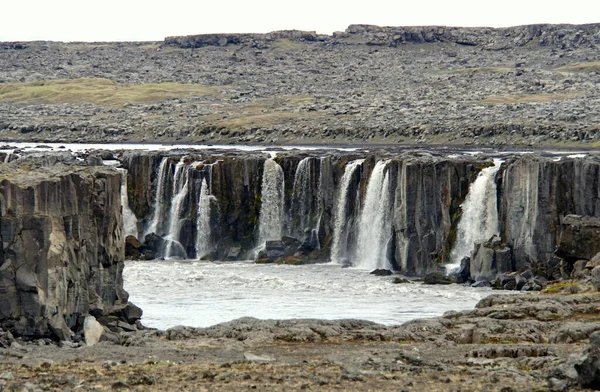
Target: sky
(151, 20)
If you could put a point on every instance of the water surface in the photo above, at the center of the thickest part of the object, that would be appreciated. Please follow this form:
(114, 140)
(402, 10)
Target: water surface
(201, 294)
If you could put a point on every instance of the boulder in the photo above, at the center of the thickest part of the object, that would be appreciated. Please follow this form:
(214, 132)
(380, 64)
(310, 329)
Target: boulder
(488, 260)
(275, 249)
(595, 278)
(381, 272)
(92, 330)
(438, 278)
(133, 248)
(579, 237)
(153, 245)
(588, 369)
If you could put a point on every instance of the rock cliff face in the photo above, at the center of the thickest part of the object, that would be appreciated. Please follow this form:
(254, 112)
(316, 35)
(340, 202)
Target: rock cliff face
(424, 195)
(372, 210)
(62, 247)
(536, 193)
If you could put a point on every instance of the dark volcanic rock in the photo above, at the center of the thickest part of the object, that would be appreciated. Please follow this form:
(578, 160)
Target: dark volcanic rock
(62, 252)
(579, 237)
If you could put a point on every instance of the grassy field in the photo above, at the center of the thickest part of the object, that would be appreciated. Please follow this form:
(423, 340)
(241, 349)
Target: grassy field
(98, 91)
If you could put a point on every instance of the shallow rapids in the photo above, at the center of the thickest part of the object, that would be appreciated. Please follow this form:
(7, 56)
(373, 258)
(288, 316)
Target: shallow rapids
(200, 294)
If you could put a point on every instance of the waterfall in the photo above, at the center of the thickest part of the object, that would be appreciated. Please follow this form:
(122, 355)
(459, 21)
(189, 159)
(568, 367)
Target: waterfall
(340, 228)
(158, 215)
(479, 220)
(270, 222)
(304, 206)
(129, 219)
(203, 239)
(375, 224)
(180, 192)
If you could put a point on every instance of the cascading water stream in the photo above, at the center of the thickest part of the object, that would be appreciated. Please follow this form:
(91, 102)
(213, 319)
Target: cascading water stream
(159, 197)
(340, 228)
(270, 222)
(203, 239)
(375, 224)
(180, 192)
(129, 219)
(479, 220)
(301, 205)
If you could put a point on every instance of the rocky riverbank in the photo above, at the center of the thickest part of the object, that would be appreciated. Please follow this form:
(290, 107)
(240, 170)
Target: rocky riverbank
(527, 85)
(535, 342)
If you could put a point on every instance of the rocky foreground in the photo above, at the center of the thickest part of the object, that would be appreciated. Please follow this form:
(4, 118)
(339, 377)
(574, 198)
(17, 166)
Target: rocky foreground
(535, 342)
(526, 85)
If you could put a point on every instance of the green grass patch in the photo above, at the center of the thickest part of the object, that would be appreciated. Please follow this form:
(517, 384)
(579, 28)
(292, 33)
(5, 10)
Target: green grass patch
(580, 67)
(558, 288)
(98, 91)
(286, 45)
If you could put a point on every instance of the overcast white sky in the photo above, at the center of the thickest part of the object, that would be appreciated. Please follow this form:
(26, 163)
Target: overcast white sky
(137, 20)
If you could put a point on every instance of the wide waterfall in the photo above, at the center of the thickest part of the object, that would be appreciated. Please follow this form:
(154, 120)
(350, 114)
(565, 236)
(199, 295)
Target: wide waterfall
(129, 220)
(479, 220)
(270, 222)
(203, 238)
(375, 227)
(180, 192)
(340, 229)
(158, 215)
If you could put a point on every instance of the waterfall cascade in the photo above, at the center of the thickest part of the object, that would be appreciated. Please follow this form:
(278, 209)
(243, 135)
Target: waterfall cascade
(129, 220)
(307, 202)
(340, 228)
(270, 221)
(375, 226)
(180, 192)
(203, 238)
(160, 197)
(479, 220)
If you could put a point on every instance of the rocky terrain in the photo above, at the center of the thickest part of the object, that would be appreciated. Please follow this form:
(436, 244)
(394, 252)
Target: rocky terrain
(65, 323)
(528, 85)
(538, 342)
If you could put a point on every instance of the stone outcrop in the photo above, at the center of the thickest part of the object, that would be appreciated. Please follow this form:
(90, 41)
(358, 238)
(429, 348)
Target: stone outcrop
(489, 259)
(251, 40)
(559, 36)
(579, 237)
(62, 248)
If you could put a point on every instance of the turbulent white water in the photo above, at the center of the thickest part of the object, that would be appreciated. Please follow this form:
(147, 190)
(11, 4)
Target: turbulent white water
(203, 239)
(129, 219)
(270, 221)
(340, 229)
(479, 220)
(375, 223)
(201, 294)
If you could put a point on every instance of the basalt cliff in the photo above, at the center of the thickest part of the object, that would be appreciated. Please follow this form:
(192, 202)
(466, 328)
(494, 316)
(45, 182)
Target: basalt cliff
(390, 210)
(62, 249)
